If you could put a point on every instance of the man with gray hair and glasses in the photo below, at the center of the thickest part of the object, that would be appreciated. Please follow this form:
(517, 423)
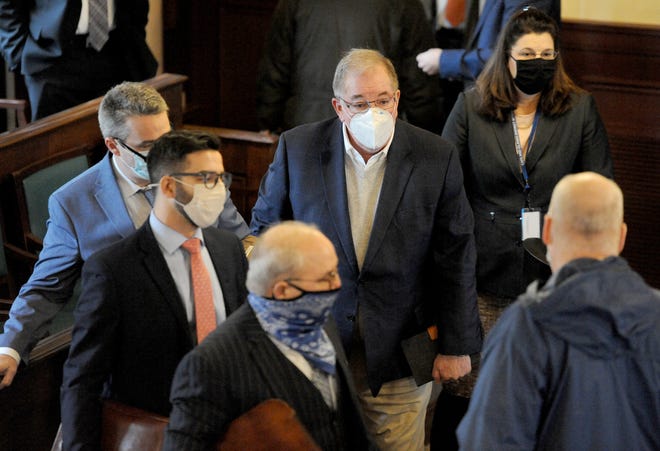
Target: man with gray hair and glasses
(107, 202)
(390, 197)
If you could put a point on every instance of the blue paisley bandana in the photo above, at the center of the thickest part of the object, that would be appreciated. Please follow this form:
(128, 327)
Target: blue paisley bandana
(298, 323)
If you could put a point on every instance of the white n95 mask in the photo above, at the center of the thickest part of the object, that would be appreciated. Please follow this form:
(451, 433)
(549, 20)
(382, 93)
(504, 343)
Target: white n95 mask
(372, 128)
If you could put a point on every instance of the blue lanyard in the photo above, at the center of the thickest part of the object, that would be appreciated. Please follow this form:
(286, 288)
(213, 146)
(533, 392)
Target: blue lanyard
(519, 152)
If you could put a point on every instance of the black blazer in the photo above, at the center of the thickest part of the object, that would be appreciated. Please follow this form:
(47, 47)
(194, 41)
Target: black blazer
(237, 367)
(573, 142)
(131, 329)
(35, 33)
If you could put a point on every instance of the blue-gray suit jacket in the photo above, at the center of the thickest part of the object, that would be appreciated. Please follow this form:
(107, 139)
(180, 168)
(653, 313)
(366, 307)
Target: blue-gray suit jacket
(419, 267)
(467, 63)
(86, 215)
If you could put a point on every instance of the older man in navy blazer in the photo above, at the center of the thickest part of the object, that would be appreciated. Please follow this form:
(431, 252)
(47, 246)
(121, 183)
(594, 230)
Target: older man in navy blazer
(390, 197)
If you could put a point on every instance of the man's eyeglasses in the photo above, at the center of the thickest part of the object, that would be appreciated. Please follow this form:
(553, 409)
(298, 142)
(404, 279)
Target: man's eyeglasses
(329, 278)
(136, 152)
(209, 179)
(529, 54)
(364, 105)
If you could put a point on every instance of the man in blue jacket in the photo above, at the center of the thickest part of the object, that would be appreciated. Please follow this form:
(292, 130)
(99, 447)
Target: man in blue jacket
(574, 364)
(105, 203)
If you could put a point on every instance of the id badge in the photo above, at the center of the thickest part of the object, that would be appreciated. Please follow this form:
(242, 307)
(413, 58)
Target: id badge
(531, 223)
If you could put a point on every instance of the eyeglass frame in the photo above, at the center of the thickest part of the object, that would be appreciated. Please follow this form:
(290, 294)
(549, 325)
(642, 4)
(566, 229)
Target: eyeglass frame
(329, 278)
(536, 55)
(369, 104)
(226, 177)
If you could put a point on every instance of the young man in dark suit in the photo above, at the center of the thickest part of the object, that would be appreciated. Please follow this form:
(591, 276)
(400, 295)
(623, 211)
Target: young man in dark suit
(281, 344)
(139, 311)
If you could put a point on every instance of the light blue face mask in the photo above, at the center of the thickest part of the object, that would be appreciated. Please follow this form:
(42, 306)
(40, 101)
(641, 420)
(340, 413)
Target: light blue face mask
(140, 168)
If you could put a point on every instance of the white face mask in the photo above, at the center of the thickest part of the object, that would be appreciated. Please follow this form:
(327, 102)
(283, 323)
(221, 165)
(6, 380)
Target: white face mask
(372, 128)
(205, 205)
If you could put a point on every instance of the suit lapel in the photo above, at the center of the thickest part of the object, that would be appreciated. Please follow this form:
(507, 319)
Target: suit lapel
(397, 173)
(331, 159)
(155, 265)
(107, 194)
(480, 23)
(541, 143)
(222, 265)
(504, 135)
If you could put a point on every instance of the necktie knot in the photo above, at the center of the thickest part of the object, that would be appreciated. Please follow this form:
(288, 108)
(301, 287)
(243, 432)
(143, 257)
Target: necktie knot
(192, 245)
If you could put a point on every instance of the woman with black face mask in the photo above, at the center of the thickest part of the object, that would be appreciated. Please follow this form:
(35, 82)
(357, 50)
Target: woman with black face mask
(518, 131)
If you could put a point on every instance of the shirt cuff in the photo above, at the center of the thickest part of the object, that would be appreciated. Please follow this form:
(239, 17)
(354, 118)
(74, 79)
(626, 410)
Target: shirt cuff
(10, 352)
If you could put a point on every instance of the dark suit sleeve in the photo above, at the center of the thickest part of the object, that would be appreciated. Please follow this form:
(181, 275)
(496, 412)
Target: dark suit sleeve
(13, 30)
(454, 260)
(595, 148)
(90, 359)
(273, 203)
(456, 128)
(421, 97)
(274, 73)
(200, 410)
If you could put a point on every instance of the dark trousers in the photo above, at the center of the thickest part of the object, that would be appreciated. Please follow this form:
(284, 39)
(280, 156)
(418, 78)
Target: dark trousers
(449, 411)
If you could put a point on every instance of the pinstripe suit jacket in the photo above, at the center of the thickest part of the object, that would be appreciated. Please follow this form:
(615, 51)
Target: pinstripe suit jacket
(237, 367)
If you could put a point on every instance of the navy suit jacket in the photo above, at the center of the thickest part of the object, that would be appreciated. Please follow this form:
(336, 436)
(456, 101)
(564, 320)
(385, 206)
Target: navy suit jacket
(131, 329)
(35, 33)
(86, 215)
(238, 366)
(467, 63)
(419, 265)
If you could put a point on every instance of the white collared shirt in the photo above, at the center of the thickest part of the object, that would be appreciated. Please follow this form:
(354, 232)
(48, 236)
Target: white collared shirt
(136, 203)
(363, 183)
(178, 261)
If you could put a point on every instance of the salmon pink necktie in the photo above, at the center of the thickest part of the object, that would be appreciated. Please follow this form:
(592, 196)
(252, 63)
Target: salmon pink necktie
(202, 292)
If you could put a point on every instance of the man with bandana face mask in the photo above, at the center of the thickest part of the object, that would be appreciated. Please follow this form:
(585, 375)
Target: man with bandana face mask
(390, 197)
(281, 344)
(149, 298)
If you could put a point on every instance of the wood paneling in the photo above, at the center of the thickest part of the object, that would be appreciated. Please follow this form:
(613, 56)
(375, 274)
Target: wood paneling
(619, 65)
(218, 46)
